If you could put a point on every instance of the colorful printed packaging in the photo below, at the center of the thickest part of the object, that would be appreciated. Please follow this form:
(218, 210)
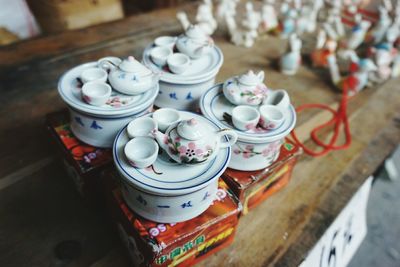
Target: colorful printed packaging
(252, 187)
(181, 244)
(83, 162)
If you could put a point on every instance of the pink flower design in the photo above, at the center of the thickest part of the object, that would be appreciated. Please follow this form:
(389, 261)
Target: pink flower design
(250, 126)
(86, 98)
(182, 150)
(165, 139)
(236, 151)
(249, 147)
(247, 154)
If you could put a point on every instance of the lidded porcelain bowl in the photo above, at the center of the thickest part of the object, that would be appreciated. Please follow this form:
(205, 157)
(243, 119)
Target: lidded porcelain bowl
(183, 91)
(168, 191)
(98, 125)
(255, 149)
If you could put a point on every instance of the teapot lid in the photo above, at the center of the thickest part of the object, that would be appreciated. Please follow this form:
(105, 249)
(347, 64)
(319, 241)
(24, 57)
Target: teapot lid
(194, 32)
(191, 129)
(132, 65)
(250, 78)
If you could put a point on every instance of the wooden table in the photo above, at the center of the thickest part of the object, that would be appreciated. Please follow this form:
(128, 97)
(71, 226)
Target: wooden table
(39, 206)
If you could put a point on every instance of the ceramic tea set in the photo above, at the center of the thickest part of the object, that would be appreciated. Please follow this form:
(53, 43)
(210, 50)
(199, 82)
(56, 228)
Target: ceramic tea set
(261, 117)
(105, 95)
(187, 64)
(170, 162)
(184, 141)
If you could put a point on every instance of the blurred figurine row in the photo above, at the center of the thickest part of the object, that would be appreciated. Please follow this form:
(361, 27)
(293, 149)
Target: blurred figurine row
(367, 46)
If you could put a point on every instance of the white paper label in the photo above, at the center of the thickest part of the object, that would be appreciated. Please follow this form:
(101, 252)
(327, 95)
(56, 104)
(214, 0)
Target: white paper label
(343, 237)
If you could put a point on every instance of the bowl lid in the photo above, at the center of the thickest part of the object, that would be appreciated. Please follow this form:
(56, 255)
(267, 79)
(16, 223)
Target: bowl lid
(200, 69)
(69, 89)
(213, 105)
(130, 64)
(167, 177)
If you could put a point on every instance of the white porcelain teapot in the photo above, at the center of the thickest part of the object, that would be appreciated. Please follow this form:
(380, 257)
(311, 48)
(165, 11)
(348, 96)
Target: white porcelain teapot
(194, 42)
(246, 89)
(188, 141)
(130, 76)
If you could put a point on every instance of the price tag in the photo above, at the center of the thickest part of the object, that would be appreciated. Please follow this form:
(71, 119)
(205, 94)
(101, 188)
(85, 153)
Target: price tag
(343, 237)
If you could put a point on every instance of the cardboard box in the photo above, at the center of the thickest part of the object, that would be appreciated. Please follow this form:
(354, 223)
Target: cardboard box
(252, 187)
(83, 162)
(181, 244)
(55, 16)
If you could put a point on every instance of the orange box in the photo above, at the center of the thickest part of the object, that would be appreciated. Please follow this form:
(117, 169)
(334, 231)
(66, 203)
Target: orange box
(181, 244)
(83, 162)
(253, 187)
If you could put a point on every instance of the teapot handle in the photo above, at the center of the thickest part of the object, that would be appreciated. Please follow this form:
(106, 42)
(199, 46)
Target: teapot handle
(260, 75)
(106, 64)
(232, 137)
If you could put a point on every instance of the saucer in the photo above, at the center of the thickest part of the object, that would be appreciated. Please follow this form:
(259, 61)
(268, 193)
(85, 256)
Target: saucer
(213, 105)
(166, 177)
(118, 104)
(199, 70)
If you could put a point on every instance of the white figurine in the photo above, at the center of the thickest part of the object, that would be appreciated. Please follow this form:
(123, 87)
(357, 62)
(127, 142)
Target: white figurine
(384, 22)
(268, 15)
(183, 20)
(289, 23)
(205, 19)
(226, 8)
(357, 79)
(291, 60)
(250, 24)
(358, 33)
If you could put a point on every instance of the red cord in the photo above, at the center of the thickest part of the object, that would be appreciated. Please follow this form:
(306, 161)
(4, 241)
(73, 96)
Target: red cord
(339, 117)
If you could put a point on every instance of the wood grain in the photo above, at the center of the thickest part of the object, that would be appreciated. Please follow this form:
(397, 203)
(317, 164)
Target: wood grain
(39, 208)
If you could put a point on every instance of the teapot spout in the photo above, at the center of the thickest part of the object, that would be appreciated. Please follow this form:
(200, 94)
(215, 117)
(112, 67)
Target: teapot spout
(162, 139)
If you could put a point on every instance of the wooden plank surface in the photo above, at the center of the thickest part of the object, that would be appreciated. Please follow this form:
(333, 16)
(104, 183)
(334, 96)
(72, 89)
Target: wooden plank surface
(41, 208)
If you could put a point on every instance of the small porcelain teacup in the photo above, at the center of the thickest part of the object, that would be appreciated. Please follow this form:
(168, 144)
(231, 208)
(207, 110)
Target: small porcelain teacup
(271, 117)
(96, 93)
(93, 74)
(114, 60)
(279, 98)
(141, 152)
(245, 118)
(165, 41)
(141, 127)
(178, 63)
(160, 54)
(166, 117)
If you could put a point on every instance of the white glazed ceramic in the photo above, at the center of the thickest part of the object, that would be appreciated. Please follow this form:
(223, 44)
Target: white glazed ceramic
(178, 63)
(255, 149)
(169, 209)
(245, 117)
(194, 42)
(99, 131)
(279, 98)
(141, 152)
(165, 117)
(245, 89)
(140, 127)
(115, 60)
(93, 74)
(98, 125)
(160, 54)
(183, 91)
(165, 41)
(271, 117)
(167, 191)
(191, 142)
(130, 77)
(96, 93)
